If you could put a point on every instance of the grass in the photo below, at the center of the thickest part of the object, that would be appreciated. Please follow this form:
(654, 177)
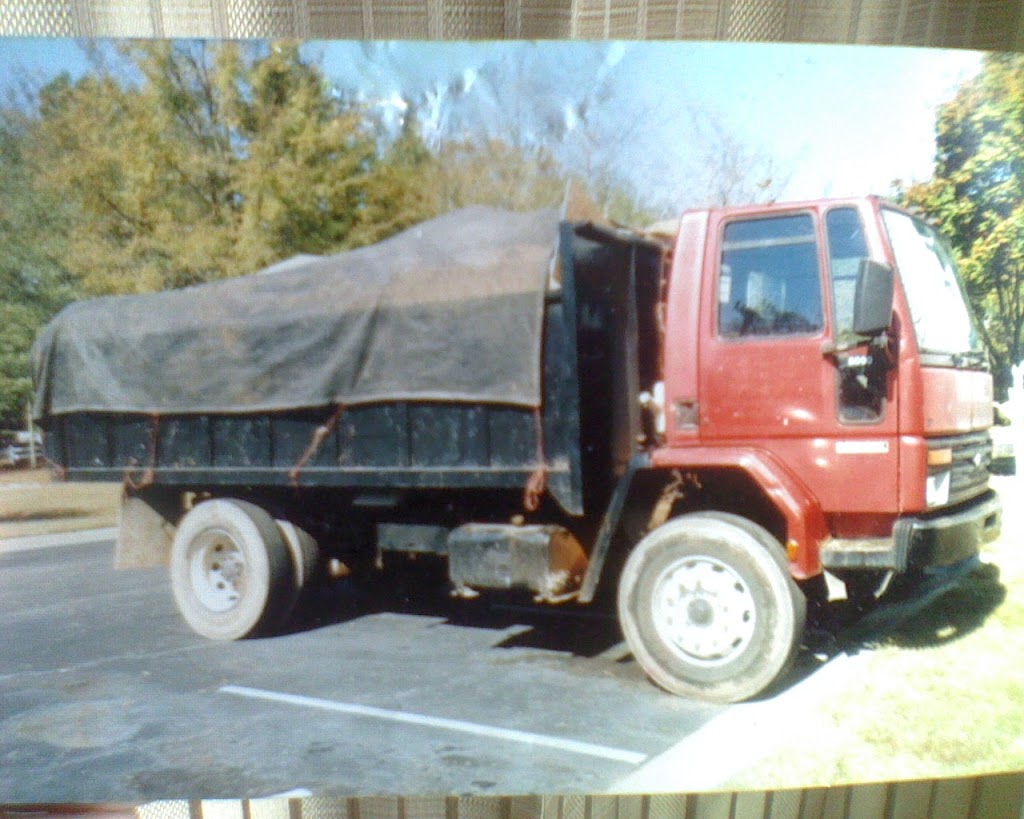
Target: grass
(31, 503)
(936, 693)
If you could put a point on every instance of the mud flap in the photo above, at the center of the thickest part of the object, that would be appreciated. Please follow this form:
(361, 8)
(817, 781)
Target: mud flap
(145, 531)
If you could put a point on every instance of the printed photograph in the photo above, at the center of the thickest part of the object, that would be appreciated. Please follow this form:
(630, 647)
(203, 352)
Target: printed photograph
(507, 418)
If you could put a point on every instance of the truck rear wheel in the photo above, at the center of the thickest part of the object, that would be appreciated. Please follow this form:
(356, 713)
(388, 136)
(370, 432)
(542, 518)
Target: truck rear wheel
(709, 609)
(306, 563)
(305, 553)
(231, 570)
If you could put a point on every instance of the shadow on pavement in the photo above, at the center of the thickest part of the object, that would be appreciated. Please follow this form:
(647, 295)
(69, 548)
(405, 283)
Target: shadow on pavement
(937, 610)
(583, 631)
(920, 611)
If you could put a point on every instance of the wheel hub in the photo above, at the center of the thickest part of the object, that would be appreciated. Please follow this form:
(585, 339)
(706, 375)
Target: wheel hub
(217, 568)
(703, 610)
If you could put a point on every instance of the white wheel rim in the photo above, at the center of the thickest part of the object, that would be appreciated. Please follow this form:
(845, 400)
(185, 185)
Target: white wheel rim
(703, 610)
(217, 570)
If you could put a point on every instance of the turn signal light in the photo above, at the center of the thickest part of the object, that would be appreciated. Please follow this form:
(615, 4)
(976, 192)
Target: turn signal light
(940, 457)
(792, 549)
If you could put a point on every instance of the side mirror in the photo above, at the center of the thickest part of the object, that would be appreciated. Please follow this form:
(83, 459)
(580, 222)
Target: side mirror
(872, 301)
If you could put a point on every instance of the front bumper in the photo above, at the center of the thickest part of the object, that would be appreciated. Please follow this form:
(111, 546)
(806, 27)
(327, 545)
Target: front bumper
(951, 537)
(940, 539)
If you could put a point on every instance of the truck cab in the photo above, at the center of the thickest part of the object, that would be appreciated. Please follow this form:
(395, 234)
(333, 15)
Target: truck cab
(821, 362)
(882, 428)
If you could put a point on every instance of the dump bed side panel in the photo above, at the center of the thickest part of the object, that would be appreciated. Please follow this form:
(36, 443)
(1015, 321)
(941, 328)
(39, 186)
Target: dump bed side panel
(400, 444)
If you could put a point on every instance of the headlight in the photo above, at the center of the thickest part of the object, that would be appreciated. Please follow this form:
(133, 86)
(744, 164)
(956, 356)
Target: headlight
(937, 488)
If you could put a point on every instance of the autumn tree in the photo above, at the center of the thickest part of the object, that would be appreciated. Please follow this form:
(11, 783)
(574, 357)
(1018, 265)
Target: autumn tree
(33, 282)
(494, 172)
(534, 117)
(197, 161)
(502, 130)
(734, 170)
(403, 191)
(543, 114)
(976, 196)
(170, 164)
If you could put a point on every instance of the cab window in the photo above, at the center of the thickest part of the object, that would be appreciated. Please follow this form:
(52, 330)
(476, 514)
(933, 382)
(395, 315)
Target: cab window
(769, 282)
(846, 249)
(862, 387)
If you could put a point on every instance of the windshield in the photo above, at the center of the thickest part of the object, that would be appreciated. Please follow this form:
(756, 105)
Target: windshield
(942, 319)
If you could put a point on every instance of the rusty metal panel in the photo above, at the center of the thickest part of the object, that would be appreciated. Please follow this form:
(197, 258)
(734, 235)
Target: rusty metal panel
(412, 537)
(544, 559)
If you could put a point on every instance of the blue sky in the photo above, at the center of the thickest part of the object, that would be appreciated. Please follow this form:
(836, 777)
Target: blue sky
(844, 118)
(835, 120)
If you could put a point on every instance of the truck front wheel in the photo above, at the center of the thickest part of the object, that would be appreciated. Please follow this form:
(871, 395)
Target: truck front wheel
(709, 609)
(231, 570)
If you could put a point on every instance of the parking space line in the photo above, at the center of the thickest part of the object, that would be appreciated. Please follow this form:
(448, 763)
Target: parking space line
(491, 732)
(294, 793)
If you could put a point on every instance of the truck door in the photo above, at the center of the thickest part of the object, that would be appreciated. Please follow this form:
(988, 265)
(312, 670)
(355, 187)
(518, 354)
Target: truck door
(781, 296)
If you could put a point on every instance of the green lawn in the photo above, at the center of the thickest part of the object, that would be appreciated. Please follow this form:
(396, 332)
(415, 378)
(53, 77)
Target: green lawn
(939, 694)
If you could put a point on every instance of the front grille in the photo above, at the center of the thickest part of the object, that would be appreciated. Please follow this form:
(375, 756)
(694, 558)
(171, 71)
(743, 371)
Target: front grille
(972, 454)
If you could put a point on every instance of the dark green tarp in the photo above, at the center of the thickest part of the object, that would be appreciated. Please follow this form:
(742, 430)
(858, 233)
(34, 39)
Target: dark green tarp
(450, 310)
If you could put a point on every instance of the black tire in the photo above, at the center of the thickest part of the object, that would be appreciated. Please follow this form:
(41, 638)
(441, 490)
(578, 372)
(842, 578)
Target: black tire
(231, 570)
(742, 615)
(304, 552)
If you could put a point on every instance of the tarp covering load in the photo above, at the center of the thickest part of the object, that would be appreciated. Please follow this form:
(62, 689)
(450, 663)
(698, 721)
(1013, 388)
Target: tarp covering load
(450, 310)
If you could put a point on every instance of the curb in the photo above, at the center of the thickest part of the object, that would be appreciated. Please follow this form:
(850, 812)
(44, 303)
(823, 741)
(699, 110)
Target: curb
(735, 739)
(51, 541)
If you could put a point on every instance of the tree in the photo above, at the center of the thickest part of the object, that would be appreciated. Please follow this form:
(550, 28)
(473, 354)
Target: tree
(493, 172)
(33, 283)
(540, 116)
(976, 197)
(511, 125)
(198, 162)
(403, 193)
(170, 164)
(735, 172)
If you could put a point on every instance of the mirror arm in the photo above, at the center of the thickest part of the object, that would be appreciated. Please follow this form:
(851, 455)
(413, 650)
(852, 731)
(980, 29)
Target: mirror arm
(832, 348)
(880, 344)
(886, 347)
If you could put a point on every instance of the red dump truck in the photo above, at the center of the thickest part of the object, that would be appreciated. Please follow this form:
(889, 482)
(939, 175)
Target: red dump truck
(701, 427)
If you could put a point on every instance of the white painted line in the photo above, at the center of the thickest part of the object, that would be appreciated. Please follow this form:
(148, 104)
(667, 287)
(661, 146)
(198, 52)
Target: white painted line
(491, 732)
(294, 793)
(52, 541)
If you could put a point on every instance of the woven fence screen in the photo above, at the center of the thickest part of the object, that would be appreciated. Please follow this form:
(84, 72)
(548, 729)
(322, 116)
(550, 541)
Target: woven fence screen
(978, 24)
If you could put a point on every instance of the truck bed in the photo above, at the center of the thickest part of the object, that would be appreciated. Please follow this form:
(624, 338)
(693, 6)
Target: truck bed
(401, 444)
(599, 339)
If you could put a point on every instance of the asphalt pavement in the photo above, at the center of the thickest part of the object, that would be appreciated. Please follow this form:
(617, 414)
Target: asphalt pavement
(105, 694)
